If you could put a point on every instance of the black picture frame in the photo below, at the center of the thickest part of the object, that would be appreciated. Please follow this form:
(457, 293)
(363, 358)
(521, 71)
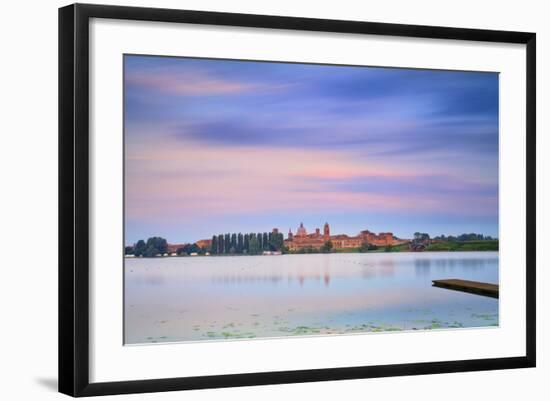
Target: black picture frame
(74, 198)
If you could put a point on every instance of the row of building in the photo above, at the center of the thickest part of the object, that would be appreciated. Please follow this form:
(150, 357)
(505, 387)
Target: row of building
(317, 239)
(301, 239)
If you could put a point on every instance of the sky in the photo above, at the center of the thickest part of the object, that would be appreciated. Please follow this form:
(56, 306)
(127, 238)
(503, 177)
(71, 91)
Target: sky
(223, 146)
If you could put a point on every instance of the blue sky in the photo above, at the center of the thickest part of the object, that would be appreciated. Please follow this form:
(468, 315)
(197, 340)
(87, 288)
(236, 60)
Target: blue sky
(215, 146)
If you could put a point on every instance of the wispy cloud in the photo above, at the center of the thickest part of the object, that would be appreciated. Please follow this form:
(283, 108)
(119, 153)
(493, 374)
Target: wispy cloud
(210, 141)
(170, 180)
(194, 83)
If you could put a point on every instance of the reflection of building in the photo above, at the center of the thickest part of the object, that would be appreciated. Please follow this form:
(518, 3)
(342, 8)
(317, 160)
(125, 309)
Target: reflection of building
(302, 239)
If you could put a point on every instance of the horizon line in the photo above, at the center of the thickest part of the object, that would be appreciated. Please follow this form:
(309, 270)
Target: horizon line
(276, 228)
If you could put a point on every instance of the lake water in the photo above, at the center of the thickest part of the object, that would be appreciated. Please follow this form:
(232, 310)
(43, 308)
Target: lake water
(229, 297)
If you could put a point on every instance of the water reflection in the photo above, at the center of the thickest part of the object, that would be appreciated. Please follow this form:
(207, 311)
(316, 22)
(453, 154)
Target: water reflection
(274, 279)
(171, 299)
(423, 266)
(325, 278)
(237, 279)
(321, 273)
(150, 279)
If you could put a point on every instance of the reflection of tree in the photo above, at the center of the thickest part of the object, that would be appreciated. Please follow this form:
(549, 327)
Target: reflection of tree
(423, 266)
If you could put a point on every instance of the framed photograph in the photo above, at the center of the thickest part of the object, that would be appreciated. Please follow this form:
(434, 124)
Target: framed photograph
(251, 199)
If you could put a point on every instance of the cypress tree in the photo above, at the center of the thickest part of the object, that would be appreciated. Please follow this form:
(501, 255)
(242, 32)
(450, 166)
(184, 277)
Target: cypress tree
(240, 243)
(221, 247)
(246, 243)
(254, 248)
(259, 239)
(234, 242)
(227, 244)
(265, 242)
(214, 248)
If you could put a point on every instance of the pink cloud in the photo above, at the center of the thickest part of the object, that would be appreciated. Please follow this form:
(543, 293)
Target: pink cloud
(193, 83)
(181, 180)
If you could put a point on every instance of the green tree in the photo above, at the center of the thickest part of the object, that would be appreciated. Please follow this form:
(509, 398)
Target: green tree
(189, 249)
(234, 242)
(240, 243)
(265, 242)
(184, 250)
(246, 243)
(421, 238)
(259, 239)
(277, 241)
(140, 248)
(128, 250)
(327, 246)
(227, 243)
(214, 247)
(150, 251)
(155, 246)
(221, 243)
(254, 245)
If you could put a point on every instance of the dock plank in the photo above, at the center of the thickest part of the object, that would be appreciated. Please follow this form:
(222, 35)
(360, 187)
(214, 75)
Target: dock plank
(474, 287)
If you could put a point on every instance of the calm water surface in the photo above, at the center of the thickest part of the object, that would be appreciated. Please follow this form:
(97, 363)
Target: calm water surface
(224, 297)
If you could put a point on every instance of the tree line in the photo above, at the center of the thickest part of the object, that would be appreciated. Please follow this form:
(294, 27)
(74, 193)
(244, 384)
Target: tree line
(256, 243)
(465, 237)
(251, 243)
(154, 246)
(188, 249)
(231, 243)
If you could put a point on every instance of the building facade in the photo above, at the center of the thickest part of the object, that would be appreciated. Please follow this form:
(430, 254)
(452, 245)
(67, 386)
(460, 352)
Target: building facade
(204, 243)
(302, 239)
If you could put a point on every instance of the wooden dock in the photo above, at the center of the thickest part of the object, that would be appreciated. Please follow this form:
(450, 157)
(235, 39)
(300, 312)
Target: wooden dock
(474, 287)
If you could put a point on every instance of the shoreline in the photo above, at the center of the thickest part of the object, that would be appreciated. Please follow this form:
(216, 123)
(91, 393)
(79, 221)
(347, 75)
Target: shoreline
(312, 253)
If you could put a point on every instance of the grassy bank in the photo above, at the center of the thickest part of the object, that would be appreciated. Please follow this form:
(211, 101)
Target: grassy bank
(464, 246)
(444, 246)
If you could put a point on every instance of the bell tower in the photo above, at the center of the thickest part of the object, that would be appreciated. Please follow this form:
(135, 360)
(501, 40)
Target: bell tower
(326, 232)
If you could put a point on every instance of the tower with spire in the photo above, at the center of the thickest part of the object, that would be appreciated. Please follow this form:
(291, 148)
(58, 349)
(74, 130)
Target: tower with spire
(326, 232)
(301, 231)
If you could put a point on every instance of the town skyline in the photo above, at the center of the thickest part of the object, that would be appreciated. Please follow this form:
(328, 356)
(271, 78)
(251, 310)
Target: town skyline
(218, 145)
(309, 230)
